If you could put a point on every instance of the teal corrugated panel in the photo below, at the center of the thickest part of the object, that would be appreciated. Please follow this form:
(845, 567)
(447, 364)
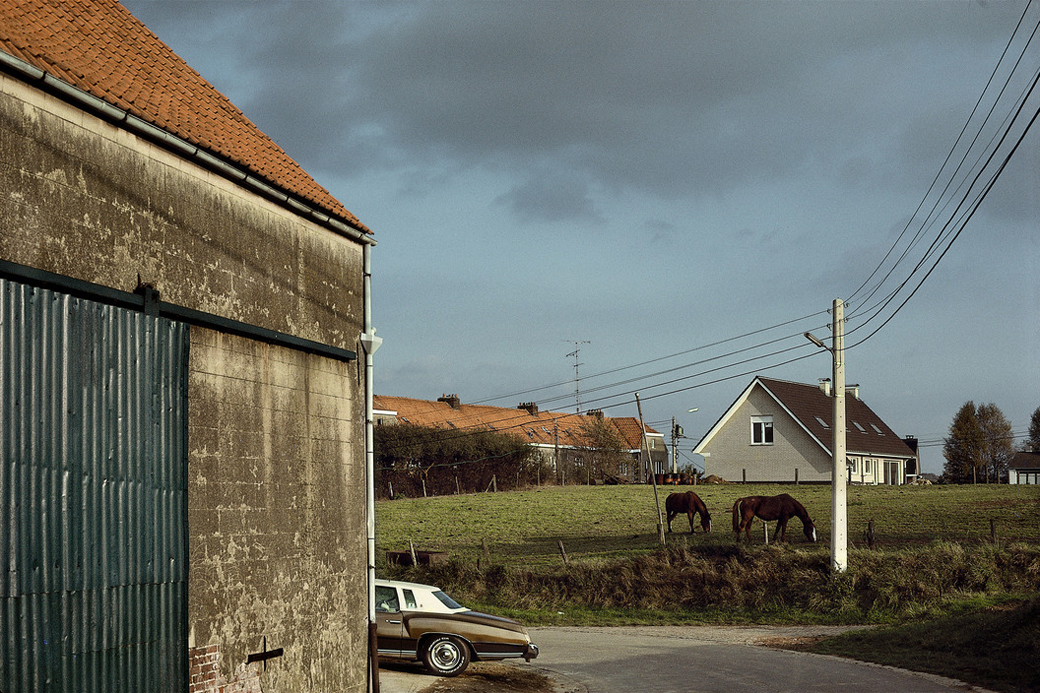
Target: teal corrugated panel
(93, 495)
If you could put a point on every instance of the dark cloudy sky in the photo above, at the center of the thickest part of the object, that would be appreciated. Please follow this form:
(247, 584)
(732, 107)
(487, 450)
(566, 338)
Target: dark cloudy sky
(677, 189)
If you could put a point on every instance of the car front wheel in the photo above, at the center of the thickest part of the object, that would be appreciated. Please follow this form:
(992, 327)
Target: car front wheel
(446, 655)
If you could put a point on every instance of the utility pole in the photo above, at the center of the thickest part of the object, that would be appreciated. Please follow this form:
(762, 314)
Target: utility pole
(839, 508)
(839, 465)
(653, 476)
(677, 432)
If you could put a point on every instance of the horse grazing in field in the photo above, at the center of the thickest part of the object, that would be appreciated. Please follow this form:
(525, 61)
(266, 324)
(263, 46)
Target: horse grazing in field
(688, 503)
(780, 508)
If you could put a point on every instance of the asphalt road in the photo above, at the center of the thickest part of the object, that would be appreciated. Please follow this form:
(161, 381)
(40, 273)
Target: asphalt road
(702, 659)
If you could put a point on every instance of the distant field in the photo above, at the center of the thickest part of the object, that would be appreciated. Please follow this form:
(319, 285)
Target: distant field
(602, 522)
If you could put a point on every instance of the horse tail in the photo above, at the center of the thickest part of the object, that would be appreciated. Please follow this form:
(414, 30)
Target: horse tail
(736, 515)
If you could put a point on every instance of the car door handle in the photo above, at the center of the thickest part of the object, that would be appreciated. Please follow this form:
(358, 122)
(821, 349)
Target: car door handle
(389, 621)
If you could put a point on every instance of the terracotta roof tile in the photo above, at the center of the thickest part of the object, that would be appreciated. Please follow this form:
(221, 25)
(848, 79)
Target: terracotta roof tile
(100, 48)
(541, 428)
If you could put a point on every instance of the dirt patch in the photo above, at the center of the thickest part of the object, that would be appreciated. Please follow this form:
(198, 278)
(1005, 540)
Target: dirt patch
(803, 644)
(482, 677)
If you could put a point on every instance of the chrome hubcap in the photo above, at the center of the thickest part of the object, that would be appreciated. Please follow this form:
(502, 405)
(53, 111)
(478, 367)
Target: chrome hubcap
(446, 655)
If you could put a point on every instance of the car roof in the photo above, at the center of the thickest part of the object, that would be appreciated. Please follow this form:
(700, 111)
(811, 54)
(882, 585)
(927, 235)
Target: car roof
(407, 585)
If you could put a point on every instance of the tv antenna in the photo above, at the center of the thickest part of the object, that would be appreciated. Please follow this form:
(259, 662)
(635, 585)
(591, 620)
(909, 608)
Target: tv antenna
(577, 380)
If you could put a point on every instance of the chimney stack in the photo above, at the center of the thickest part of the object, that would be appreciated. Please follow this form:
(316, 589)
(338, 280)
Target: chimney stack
(825, 386)
(531, 407)
(451, 400)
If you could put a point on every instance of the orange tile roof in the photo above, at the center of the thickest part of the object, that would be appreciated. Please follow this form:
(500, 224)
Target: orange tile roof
(538, 429)
(102, 49)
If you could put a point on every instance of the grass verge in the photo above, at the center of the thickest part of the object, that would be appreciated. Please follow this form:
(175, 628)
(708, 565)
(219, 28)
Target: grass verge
(996, 647)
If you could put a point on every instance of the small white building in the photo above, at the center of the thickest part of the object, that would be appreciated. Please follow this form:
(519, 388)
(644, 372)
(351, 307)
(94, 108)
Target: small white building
(1024, 468)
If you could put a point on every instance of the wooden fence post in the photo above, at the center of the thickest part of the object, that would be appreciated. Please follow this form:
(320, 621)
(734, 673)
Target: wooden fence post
(487, 554)
(870, 535)
(563, 551)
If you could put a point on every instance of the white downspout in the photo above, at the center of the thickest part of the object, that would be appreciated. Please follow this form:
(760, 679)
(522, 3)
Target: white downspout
(370, 342)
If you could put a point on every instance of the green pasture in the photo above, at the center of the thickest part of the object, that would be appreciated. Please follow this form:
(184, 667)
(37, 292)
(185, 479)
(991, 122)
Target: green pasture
(595, 523)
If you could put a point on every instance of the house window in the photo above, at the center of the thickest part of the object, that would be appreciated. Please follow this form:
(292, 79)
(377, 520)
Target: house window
(761, 430)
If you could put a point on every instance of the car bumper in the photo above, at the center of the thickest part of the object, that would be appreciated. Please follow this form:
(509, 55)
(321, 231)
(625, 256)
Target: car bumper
(530, 652)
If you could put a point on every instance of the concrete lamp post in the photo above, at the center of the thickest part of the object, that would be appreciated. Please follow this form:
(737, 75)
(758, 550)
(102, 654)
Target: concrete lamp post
(839, 505)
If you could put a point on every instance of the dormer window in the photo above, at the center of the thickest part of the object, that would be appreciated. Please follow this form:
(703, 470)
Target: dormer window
(762, 430)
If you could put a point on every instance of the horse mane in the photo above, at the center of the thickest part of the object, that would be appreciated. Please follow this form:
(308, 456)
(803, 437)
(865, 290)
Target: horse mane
(799, 510)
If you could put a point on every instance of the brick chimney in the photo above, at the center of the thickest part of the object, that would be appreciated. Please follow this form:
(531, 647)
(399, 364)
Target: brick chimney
(530, 407)
(595, 413)
(451, 400)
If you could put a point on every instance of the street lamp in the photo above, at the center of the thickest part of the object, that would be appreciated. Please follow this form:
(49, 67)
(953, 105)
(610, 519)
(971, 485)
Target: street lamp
(839, 506)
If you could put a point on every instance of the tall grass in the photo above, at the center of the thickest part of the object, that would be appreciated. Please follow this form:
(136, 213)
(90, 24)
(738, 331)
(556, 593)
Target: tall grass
(775, 583)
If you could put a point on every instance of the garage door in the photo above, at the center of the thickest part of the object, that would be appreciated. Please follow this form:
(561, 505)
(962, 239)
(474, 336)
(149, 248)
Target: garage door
(93, 502)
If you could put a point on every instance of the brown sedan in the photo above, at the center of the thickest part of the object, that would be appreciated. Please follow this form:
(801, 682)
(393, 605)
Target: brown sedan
(421, 623)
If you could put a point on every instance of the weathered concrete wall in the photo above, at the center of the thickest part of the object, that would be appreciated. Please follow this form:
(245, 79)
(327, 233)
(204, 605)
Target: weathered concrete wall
(276, 468)
(277, 512)
(87, 200)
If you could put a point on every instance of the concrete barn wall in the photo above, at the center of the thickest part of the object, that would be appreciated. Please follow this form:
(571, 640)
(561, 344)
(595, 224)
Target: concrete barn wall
(276, 463)
(731, 451)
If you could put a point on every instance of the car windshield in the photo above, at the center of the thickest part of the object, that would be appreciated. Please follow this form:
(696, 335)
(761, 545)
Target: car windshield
(447, 601)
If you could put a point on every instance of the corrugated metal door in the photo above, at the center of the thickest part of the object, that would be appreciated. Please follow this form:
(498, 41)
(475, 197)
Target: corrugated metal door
(93, 500)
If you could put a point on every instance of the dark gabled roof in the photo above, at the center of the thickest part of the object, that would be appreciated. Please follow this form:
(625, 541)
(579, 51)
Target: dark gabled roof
(866, 433)
(813, 410)
(100, 48)
(1025, 460)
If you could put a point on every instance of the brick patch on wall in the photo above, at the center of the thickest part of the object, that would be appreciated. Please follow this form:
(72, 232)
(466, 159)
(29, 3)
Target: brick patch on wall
(204, 673)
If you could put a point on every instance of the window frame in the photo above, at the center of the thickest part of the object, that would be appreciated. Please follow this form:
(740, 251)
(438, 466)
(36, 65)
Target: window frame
(763, 431)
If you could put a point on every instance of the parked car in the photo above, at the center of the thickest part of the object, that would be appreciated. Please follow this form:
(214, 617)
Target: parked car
(421, 623)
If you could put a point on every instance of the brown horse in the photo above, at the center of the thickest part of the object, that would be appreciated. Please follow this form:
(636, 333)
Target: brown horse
(688, 503)
(780, 508)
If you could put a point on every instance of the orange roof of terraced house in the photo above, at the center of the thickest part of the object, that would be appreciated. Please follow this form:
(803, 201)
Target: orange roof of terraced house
(526, 421)
(98, 47)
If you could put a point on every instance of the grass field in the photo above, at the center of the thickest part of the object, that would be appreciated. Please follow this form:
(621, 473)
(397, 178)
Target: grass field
(595, 523)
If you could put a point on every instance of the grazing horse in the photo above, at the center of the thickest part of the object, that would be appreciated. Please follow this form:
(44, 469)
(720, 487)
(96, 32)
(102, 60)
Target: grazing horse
(688, 503)
(780, 508)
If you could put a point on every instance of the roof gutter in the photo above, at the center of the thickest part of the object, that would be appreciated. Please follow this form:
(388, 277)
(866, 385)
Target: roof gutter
(101, 108)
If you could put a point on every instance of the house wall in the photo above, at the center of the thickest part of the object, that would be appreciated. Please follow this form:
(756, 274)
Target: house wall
(871, 470)
(731, 454)
(276, 454)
